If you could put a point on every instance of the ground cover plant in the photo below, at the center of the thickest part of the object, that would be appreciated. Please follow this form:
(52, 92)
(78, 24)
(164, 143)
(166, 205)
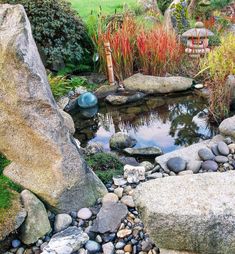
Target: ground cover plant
(105, 165)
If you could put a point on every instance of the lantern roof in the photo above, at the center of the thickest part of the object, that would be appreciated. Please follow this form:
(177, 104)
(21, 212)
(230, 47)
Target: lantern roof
(198, 31)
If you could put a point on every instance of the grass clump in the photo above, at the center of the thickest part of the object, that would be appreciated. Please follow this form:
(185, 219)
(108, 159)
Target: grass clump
(219, 64)
(105, 165)
(6, 185)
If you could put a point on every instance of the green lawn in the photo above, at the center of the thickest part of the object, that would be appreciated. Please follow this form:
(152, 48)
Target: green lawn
(85, 7)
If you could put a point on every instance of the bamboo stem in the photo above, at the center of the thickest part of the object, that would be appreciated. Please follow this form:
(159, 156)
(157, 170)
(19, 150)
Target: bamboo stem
(109, 63)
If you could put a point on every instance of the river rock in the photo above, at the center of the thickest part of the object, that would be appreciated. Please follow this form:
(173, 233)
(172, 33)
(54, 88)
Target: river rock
(206, 154)
(109, 218)
(68, 241)
(221, 159)
(148, 165)
(12, 218)
(128, 201)
(110, 198)
(144, 152)
(193, 216)
(62, 221)
(214, 149)
(227, 127)
(223, 148)
(52, 168)
(36, 224)
(210, 165)
(134, 174)
(176, 164)
(120, 140)
(116, 99)
(84, 213)
(194, 165)
(108, 248)
(154, 85)
(92, 247)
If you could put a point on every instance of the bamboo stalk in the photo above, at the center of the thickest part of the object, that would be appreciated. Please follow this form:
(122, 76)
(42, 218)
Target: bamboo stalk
(109, 63)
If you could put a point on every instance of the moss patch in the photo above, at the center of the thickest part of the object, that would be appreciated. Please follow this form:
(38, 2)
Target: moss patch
(105, 165)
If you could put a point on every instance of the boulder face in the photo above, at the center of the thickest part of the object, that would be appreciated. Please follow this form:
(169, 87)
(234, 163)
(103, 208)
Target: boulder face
(227, 127)
(190, 213)
(34, 133)
(157, 85)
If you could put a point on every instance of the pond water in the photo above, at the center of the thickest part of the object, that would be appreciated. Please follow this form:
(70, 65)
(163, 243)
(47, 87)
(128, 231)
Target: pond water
(166, 122)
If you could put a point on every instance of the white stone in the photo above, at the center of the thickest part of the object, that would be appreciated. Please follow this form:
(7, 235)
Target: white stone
(134, 174)
(84, 214)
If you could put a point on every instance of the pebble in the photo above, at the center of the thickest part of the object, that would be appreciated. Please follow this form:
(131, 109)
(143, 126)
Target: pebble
(206, 154)
(62, 221)
(98, 239)
(119, 245)
(110, 197)
(156, 169)
(16, 243)
(20, 250)
(120, 252)
(123, 233)
(108, 248)
(92, 246)
(119, 181)
(84, 214)
(128, 201)
(128, 248)
(148, 165)
(223, 148)
(146, 245)
(176, 164)
(231, 147)
(194, 165)
(228, 140)
(155, 176)
(82, 251)
(186, 172)
(119, 192)
(210, 165)
(221, 159)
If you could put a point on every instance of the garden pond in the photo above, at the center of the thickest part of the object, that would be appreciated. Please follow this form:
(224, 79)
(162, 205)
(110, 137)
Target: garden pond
(168, 122)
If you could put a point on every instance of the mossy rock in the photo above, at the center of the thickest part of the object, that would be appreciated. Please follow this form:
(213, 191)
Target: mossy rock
(11, 217)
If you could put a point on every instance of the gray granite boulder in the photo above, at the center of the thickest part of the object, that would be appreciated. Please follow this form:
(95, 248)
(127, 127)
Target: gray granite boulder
(190, 213)
(121, 140)
(227, 127)
(44, 155)
(154, 85)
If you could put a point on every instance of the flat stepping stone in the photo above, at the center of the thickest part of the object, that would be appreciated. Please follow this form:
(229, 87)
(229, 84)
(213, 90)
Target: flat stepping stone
(179, 213)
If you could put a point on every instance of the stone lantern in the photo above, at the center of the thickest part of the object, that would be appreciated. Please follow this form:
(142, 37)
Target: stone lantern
(197, 40)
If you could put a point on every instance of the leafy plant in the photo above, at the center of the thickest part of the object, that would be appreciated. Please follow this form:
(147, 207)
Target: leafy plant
(61, 85)
(219, 4)
(218, 64)
(58, 30)
(105, 165)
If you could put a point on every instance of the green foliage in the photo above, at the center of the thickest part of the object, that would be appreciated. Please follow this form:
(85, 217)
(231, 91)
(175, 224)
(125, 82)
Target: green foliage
(6, 185)
(219, 4)
(58, 30)
(105, 165)
(163, 5)
(180, 16)
(61, 85)
(219, 64)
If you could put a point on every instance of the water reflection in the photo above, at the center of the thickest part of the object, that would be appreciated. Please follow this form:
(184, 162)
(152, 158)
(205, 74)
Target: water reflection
(161, 121)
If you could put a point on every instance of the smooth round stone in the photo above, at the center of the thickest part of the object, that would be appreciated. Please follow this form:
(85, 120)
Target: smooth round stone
(128, 248)
(20, 250)
(148, 165)
(176, 164)
(119, 192)
(221, 159)
(119, 245)
(108, 248)
(110, 197)
(62, 221)
(92, 246)
(87, 100)
(223, 148)
(194, 166)
(214, 149)
(206, 154)
(16, 243)
(124, 233)
(84, 214)
(210, 165)
(228, 140)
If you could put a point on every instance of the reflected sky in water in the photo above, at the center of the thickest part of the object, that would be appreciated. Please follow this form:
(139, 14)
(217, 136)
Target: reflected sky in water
(168, 123)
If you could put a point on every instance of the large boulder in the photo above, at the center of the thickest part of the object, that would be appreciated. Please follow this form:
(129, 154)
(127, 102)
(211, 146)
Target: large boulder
(154, 85)
(36, 224)
(190, 213)
(33, 132)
